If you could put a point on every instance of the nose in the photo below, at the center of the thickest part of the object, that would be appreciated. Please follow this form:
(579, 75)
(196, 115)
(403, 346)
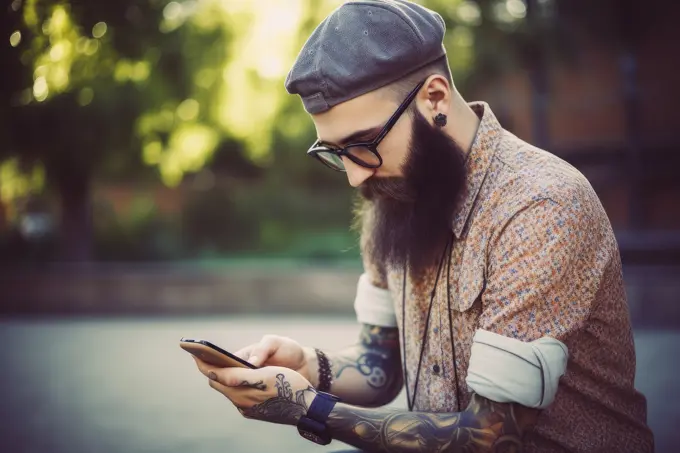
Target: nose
(356, 174)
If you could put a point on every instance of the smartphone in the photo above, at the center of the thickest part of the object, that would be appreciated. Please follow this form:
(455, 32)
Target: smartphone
(213, 354)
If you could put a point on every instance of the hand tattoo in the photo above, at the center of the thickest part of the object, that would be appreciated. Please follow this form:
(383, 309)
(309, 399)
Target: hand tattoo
(285, 408)
(259, 385)
(283, 387)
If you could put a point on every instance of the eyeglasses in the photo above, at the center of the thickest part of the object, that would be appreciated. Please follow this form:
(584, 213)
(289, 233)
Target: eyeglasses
(364, 154)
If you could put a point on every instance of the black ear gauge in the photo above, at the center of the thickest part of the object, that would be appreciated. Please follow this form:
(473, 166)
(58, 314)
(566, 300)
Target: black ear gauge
(440, 120)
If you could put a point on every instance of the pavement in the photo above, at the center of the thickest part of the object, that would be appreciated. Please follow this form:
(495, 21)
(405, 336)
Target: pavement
(122, 385)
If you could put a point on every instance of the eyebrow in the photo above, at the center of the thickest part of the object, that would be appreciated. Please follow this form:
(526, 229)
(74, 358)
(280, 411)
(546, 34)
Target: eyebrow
(356, 136)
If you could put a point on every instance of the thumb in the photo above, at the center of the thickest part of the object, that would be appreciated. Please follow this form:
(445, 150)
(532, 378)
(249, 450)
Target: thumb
(263, 351)
(233, 377)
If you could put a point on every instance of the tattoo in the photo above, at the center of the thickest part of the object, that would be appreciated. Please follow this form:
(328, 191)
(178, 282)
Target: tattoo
(283, 387)
(379, 337)
(485, 426)
(259, 385)
(285, 408)
(376, 359)
(371, 365)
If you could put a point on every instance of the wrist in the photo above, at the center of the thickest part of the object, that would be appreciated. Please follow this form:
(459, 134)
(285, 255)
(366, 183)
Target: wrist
(312, 426)
(310, 369)
(308, 398)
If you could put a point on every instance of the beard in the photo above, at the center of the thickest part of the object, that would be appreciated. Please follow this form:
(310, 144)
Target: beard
(412, 216)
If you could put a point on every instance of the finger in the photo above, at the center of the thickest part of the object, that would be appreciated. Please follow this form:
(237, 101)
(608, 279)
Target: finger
(266, 348)
(223, 389)
(238, 397)
(203, 367)
(235, 377)
(245, 352)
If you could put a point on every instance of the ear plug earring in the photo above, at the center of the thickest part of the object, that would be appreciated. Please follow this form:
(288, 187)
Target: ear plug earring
(440, 120)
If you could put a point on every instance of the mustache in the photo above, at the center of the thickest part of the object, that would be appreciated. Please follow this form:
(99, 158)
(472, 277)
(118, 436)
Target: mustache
(391, 188)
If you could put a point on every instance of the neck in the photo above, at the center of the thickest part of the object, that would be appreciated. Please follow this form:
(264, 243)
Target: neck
(463, 128)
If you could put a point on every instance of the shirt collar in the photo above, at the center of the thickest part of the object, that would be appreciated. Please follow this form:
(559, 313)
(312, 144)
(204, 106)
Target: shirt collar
(477, 161)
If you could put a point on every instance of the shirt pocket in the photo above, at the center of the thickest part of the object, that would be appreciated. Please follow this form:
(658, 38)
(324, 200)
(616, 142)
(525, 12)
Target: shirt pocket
(467, 281)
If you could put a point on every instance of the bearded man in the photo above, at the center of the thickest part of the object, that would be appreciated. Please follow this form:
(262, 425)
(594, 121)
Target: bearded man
(492, 290)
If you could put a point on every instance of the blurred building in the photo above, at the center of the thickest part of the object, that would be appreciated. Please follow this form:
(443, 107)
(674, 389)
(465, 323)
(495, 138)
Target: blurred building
(609, 108)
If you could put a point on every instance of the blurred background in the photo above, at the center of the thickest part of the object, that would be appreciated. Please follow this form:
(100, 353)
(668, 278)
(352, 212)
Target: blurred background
(154, 184)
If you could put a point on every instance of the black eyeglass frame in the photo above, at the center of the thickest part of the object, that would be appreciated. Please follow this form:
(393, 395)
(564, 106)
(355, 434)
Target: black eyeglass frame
(372, 146)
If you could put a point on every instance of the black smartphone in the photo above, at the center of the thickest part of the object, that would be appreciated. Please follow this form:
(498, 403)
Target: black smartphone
(213, 354)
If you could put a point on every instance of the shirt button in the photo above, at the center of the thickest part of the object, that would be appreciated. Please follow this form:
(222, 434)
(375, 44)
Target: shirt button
(436, 369)
(436, 330)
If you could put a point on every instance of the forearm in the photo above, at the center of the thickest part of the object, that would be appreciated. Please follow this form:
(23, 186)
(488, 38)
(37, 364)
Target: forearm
(484, 427)
(368, 373)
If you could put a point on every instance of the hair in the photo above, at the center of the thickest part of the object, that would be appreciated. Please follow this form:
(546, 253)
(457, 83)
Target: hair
(401, 88)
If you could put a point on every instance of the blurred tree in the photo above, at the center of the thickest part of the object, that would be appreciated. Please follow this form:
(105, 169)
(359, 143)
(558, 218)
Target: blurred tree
(96, 88)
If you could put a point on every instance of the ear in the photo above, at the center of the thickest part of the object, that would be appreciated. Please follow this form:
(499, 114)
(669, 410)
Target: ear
(435, 97)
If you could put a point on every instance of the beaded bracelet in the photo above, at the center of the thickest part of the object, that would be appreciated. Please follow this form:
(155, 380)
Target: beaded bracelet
(325, 374)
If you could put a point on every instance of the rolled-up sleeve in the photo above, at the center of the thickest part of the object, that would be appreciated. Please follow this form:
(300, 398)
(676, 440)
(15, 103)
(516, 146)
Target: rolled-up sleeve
(373, 305)
(507, 370)
(544, 272)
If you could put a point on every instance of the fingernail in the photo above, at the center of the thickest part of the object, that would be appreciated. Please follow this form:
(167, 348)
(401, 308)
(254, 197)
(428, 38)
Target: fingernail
(253, 359)
(212, 375)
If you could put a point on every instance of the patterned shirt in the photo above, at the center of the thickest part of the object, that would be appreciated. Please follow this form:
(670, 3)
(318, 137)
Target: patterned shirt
(534, 255)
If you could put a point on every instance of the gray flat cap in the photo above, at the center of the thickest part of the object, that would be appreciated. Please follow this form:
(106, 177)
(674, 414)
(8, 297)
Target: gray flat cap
(362, 46)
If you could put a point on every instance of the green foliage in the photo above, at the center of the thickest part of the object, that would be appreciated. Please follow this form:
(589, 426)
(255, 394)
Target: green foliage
(140, 234)
(157, 90)
(250, 220)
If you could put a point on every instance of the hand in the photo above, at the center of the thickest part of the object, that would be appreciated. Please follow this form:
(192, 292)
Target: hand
(273, 394)
(274, 350)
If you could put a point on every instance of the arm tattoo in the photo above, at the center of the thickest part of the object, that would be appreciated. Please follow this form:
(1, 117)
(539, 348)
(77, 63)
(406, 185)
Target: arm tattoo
(380, 337)
(375, 361)
(485, 426)
(285, 408)
(371, 365)
(259, 385)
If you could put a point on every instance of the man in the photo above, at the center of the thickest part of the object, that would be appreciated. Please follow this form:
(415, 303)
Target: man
(491, 269)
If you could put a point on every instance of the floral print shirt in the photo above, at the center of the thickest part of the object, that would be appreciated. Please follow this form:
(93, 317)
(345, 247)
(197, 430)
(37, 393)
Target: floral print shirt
(534, 255)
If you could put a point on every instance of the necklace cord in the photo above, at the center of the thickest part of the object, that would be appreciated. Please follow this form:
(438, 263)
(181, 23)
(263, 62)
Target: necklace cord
(453, 346)
(448, 248)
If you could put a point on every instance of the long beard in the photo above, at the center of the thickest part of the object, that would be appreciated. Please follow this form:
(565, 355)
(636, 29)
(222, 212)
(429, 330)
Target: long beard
(412, 216)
